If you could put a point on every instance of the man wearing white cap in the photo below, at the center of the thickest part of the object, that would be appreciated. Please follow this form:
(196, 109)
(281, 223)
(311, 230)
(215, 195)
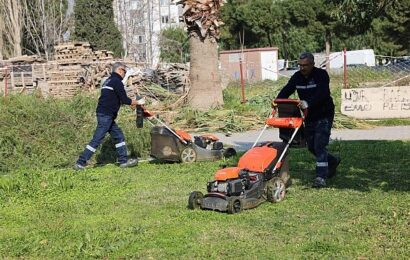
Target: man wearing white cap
(113, 95)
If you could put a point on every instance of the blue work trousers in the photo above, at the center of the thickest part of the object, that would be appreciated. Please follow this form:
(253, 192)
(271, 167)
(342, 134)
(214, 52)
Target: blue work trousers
(317, 135)
(105, 124)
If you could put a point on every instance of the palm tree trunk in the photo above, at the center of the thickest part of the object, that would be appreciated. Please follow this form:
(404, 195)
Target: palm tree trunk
(206, 89)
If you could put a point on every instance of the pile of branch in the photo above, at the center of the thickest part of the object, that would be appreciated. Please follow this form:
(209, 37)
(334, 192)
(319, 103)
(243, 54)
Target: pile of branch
(93, 74)
(201, 16)
(145, 84)
(174, 77)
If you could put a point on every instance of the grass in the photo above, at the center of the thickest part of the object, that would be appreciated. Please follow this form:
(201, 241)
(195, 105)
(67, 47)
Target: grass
(49, 211)
(107, 212)
(390, 122)
(39, 133)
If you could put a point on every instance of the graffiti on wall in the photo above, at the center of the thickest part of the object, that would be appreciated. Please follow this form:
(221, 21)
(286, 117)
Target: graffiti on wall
(376, 103)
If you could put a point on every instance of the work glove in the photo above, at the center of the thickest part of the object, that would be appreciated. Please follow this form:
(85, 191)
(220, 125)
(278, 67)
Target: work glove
(140, 100)
(303, 104)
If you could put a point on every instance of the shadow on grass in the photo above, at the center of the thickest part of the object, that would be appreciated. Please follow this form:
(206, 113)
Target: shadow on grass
(365, 165)
(108, 153)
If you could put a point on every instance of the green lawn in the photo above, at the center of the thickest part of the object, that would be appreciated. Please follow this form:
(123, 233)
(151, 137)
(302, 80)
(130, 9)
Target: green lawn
(107, 212)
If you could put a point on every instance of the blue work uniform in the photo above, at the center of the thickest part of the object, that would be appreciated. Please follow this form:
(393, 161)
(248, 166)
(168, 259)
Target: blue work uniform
(314, 89)
(112, 96)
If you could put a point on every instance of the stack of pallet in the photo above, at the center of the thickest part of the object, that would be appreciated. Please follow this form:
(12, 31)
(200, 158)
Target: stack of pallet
(77, 68)
(102, 55)
(72, 52)
(64, 79)
(21, 75)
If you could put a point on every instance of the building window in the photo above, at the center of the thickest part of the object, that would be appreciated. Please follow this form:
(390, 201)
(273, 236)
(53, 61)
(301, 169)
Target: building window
(164, 2)
(134, 4)
(165, 19)
(140, 39)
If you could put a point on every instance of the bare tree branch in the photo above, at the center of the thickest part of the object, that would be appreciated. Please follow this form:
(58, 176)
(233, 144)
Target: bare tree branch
(44, 24)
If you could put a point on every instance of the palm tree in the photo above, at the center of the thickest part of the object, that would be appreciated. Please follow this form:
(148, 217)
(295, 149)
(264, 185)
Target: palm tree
(202, 20)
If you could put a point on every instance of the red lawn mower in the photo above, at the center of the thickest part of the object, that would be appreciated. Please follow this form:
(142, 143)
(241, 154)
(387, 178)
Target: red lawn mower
(262, 172)
(172, 145)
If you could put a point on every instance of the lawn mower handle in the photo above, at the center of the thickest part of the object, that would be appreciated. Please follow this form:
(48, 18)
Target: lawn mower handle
(274, 105)
(142, 113)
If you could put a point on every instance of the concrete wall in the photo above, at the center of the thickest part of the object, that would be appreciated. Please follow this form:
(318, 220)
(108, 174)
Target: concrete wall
(257, 64)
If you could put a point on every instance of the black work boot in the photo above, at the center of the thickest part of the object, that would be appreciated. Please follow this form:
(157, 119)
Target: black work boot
(78, 167)
(129, 163)
(333, 167)
(319, 182)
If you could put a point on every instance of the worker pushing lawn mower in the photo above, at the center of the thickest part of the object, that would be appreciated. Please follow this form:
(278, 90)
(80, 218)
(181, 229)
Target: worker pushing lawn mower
(172, 145)
(262, 172)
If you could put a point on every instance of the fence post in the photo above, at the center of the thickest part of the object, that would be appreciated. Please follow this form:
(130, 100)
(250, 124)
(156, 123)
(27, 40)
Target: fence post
(345, 78)
(242, 80)
(5, 81)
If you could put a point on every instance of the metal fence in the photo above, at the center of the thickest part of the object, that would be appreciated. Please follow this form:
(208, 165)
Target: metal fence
(386, 71)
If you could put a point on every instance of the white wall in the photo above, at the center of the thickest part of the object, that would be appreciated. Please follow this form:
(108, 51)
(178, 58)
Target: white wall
(358, 57)
(158, 24)
(269, 63)
(151, 21)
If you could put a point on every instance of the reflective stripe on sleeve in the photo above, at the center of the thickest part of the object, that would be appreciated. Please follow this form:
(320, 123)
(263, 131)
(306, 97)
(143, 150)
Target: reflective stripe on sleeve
(106, 87)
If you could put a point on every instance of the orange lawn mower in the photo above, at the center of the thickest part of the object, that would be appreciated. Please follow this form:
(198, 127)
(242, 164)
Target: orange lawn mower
(171, 145)
(262, 172)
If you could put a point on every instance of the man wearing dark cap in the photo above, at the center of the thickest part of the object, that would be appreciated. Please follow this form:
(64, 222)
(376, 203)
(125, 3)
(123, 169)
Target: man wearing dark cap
(312, 86)
(112, 96)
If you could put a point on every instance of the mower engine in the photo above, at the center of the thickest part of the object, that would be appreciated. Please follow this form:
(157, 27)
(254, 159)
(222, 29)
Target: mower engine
(234, 187)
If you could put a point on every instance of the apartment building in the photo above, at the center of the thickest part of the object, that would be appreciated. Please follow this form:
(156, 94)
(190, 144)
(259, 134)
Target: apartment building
(140, 23)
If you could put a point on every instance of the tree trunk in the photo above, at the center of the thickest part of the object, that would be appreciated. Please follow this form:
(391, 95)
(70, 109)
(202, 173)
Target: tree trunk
(206, 90)
(12, 26)
(16, 23)
(1, 38)
(328, 46)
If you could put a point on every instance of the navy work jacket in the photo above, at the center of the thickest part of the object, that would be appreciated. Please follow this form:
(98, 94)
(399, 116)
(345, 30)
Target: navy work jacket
(113, 95)
(314, 89)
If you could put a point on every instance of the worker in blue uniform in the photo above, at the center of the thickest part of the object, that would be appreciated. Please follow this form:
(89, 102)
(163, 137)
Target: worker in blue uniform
(112, 96)
(312, 85)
